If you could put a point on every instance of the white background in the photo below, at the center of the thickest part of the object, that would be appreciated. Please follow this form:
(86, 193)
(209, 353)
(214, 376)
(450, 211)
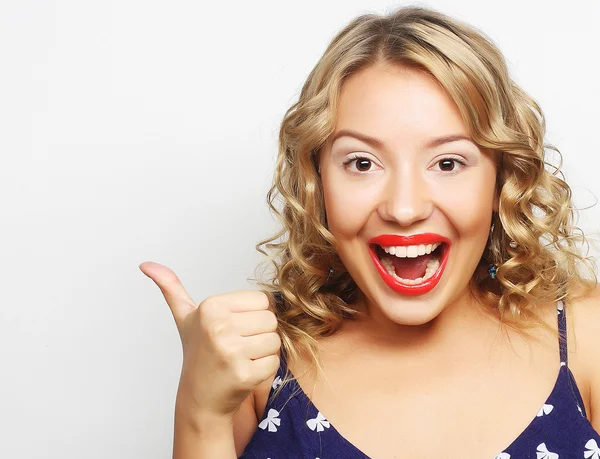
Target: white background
(147, 130)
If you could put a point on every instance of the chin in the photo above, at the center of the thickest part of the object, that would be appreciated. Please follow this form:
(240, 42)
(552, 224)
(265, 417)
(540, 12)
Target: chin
(411, 314)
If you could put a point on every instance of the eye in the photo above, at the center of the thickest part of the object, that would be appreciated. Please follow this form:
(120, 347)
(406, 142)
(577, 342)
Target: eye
(363, 164)
(450, 164)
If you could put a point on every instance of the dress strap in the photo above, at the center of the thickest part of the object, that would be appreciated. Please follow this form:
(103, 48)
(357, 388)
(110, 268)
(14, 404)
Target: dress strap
(562, 343)
(562, 333)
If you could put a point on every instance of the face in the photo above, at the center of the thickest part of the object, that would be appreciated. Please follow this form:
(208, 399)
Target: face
(389, 180)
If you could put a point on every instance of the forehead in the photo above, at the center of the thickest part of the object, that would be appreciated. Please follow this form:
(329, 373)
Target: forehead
(393, 103)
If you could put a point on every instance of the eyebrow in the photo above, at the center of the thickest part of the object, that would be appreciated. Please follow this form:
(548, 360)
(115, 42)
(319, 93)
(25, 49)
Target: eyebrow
(379, 144)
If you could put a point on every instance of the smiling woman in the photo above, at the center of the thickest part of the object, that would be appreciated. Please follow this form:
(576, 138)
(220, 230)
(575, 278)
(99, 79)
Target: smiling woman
(425, 274)
(429, 243)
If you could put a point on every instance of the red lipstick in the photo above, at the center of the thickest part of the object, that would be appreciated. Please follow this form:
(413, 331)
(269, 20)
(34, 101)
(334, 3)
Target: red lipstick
(416, 239)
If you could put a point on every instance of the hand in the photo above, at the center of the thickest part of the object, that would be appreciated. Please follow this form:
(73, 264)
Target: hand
(230, 344)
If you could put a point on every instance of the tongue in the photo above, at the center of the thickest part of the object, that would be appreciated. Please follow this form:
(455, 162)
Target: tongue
(411, 268)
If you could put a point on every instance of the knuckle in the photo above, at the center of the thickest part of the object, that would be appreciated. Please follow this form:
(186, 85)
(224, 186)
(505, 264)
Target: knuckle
(209, 306)
(211, 309)
(242, 375)
(217, 328)
(227, 349)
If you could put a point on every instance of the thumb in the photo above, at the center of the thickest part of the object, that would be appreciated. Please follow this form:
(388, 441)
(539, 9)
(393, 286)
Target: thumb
(179, 300)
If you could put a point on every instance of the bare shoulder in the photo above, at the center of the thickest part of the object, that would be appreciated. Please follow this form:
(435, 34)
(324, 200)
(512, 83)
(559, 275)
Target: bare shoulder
(583, 319)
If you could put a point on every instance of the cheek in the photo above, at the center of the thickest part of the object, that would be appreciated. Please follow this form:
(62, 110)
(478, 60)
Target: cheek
(469, 204)
(347, 208)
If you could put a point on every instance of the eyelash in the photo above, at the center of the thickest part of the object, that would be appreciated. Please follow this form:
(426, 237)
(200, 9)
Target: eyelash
(357, 157)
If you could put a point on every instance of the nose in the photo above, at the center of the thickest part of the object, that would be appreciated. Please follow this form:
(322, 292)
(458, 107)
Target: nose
(407, 199)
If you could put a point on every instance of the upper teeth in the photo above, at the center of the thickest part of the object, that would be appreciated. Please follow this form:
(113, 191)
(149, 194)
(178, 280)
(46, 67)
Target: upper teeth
(411, 251)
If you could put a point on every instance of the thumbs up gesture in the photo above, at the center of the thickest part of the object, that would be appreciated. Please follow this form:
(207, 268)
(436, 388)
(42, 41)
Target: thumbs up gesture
(230, 344)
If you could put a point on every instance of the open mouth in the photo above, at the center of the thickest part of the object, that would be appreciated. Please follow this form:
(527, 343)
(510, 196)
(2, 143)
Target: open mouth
(411, 269)
(410, 265)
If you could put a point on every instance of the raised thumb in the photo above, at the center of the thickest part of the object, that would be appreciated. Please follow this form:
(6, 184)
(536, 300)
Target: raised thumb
(179, 300)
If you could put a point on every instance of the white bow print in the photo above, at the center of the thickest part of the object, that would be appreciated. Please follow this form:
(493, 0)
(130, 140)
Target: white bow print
(546, 409)
(543, 453)
(318, 423)
(271, 421)
(593, 451)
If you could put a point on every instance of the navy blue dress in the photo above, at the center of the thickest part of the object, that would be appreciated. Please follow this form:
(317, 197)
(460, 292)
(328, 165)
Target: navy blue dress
(292, 427)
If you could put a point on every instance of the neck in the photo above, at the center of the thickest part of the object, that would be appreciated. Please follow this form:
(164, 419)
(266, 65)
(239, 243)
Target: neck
(463, 318)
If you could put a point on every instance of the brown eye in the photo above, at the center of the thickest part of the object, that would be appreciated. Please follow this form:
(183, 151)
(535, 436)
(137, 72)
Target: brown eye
(363, 164)
(451, 164)
(447, 165)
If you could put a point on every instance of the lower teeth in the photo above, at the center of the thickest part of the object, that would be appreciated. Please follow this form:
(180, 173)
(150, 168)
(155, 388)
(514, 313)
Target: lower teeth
(432, 267)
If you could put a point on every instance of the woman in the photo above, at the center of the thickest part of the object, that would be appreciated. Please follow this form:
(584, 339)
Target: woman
(430, 269)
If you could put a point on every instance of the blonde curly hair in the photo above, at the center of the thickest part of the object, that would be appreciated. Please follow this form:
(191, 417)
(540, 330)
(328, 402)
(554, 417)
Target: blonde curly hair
(535, 205)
